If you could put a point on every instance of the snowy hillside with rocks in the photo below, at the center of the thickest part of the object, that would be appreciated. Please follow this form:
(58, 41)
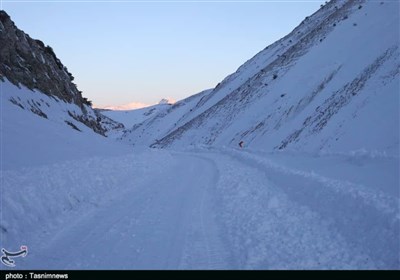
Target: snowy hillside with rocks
(28, 64)
(315, 185)
(38, 129)
(330, 85)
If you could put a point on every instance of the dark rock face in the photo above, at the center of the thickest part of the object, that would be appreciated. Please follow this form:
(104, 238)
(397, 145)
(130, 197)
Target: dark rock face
(29, 62)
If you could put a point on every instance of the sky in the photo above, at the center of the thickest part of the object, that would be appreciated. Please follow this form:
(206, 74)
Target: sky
(142, 51)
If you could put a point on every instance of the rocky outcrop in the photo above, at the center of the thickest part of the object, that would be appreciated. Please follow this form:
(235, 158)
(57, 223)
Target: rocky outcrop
(29, 62)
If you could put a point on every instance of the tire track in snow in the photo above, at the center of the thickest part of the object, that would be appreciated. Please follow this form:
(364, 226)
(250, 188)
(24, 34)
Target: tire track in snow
(368, 232)
(375, 198)
(205, 243)
(268, 229)
(149, 226)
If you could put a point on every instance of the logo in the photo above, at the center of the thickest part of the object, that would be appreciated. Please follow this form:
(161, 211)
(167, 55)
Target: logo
(7, 257)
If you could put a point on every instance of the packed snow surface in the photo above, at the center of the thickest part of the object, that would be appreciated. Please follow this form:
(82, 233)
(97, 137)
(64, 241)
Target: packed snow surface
(205, 209)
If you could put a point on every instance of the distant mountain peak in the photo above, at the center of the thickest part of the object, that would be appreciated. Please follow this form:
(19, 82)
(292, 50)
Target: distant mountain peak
(136, 105)
(167, 101)
(124, 107)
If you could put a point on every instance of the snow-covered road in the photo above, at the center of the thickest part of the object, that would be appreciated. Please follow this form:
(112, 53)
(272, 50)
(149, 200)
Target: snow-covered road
(167, 221)
(200, 210)
(285, 218)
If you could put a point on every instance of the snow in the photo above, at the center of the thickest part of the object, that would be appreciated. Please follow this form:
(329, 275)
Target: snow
(328, 200)
(131, 117)
(167, 100)
(30, 140)
(203, 209)
(66, 193)
(163, 122)
(306, 209)
(336, 89)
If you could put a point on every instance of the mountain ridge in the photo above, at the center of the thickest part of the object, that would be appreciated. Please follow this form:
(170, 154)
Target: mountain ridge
(304, 91)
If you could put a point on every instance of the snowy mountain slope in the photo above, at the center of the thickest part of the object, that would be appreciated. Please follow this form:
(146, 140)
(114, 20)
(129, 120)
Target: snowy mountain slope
(331, 84)
(28, 63)
(38, 129)
(162, 123)
(129, 118)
